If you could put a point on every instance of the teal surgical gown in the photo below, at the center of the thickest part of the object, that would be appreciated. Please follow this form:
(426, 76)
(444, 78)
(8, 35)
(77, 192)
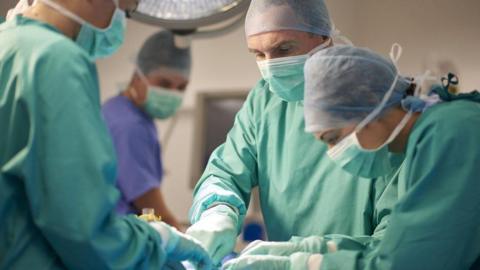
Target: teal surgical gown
(302, 192)
(57, 162)
(436, 222)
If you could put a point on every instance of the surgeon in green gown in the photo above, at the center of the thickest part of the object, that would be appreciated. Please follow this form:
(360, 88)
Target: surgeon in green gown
(302, 192)
(57, 161)
(358, 104)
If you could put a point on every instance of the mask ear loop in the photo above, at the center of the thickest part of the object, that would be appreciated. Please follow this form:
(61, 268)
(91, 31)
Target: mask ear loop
(336, 34)
(143, 78)
(395, 54)
(65, 11)
(320, 47)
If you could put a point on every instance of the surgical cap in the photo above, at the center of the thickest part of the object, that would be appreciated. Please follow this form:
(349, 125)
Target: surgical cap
(160, 52)
(344, 84)
(302, 15)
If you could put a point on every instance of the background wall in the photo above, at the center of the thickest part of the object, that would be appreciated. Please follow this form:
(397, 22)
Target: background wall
(427, 29)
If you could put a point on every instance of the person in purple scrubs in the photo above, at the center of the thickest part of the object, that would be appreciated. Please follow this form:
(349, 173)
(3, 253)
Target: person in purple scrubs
(154, 92)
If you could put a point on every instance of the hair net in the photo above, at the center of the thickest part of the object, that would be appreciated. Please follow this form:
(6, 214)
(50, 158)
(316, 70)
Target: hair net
(303, 15)
(344, 84)
(159, 51)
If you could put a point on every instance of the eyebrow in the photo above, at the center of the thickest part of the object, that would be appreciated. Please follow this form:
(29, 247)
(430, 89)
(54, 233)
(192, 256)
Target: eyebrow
(275, 46)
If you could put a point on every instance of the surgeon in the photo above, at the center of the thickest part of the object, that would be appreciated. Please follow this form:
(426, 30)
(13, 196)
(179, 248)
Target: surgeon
(302, 192)
(57, 161)
(359, 104)
(155, 92)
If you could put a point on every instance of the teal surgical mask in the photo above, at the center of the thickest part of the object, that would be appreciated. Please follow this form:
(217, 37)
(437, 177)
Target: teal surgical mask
(162, 103)
(285, 75)
(369, 163)
(98, 43)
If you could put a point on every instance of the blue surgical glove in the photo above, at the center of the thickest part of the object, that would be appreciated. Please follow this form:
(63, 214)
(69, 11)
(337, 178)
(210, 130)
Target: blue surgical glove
(263, 262)
(217, 231)
(182, 247)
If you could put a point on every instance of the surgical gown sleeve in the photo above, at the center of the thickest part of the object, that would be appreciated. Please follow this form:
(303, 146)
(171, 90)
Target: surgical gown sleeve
(232, 169)
(70, 168)
(435, 224)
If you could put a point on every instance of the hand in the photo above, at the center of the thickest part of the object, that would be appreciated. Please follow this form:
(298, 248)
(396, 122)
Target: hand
(258, 262)
(217, 231)
(311, 245)
(182, 247)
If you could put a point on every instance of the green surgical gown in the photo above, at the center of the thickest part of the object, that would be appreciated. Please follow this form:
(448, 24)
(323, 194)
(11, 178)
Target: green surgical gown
(302, 192)
(436, 222)
(57, 162)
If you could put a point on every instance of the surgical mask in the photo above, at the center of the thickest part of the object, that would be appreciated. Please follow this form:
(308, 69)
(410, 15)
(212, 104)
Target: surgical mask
(370, 163)
(285, 75)
(161, 103)
(97, 42)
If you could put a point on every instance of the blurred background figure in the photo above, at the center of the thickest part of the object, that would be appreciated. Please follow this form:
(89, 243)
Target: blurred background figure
(155, 91)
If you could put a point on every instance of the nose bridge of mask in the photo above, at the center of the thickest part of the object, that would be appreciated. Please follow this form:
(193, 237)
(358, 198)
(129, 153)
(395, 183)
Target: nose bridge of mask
(285, 66)
(150, 87)
(283, 61)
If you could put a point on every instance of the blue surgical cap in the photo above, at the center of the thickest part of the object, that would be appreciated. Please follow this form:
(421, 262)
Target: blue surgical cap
(344, 84)
(159, 51)
(274, 15)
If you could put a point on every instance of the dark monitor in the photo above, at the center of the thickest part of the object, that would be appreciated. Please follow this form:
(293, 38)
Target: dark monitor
(215, 113)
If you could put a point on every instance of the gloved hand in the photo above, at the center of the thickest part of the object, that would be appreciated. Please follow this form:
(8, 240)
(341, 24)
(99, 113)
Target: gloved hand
(217, 231)
(181, 247)
(263, 262)
(311, 244)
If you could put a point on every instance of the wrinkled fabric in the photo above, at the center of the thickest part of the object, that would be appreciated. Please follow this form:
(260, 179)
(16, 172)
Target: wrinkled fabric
(436, 222)
(309, 16)
(135, 138)
(268, 148)
(344, 84)
(57, 162)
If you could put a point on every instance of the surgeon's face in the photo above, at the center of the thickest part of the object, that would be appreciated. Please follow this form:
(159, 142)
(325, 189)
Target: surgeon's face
(165, 79)
(283, 43)
(169, 80)
(371, 136)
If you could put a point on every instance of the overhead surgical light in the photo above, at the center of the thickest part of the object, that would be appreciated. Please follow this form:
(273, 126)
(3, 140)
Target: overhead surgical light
(202, 18)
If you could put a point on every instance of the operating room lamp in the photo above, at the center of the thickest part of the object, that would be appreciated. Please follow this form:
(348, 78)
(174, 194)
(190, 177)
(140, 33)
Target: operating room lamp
(193, 18)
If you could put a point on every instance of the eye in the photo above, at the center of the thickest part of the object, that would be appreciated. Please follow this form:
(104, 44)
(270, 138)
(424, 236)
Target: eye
(331, 138)
(285, 49)
(165, 83)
